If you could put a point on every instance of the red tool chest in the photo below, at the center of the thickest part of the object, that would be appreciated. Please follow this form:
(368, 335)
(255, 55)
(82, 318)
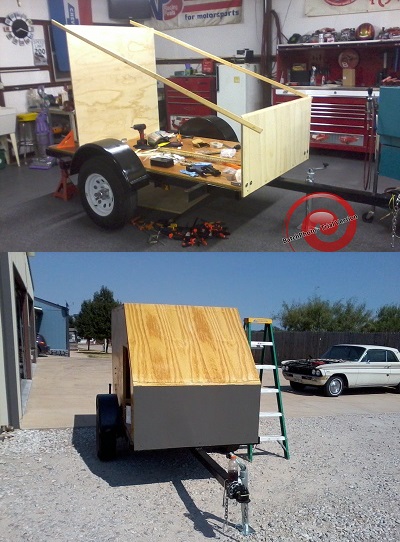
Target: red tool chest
(337, 122)
(180, 108)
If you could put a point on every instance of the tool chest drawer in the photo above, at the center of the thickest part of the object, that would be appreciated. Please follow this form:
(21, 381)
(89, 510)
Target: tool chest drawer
(180, 106)
(337, 122)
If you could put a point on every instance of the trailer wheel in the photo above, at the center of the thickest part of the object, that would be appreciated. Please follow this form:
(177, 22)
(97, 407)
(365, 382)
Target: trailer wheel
(106, 197)
(107, 426)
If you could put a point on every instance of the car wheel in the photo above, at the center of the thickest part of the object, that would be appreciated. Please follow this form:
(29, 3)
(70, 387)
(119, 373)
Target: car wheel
(106, 197)
(334, 386)
(397, 388)
(297, 386)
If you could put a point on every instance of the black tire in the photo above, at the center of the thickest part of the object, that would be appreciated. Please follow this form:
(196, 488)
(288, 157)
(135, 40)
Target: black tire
(334, 386)
(107, 426)
(106, 197)
(397, 388)
(297, 386)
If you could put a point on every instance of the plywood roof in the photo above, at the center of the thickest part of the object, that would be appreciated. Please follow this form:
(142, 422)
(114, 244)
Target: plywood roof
(187, 345)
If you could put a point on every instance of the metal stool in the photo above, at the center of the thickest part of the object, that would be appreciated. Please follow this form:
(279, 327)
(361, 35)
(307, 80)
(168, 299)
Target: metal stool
(26, 132)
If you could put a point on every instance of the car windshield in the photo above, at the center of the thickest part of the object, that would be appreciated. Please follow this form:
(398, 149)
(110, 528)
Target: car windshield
(343, 351)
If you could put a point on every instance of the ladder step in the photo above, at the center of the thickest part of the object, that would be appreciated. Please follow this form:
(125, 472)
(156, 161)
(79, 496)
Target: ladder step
(272, 437)
(269, 390)
(270, 414)
(260, 344)
(265, 367)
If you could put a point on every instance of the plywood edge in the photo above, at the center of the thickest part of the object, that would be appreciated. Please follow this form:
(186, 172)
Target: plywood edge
(283, 144)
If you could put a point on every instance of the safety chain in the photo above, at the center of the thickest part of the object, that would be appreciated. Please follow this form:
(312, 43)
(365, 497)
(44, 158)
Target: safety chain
(396, 208)
(225, 505)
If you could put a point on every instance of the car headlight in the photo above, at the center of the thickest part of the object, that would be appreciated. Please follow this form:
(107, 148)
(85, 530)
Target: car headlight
(316, 372)
(284, 368)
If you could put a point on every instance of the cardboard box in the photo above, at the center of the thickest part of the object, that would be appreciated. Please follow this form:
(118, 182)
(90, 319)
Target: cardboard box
(349, 77)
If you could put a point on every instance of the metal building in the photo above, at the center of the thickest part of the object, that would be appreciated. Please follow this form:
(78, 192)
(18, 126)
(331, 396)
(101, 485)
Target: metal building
(52, 321)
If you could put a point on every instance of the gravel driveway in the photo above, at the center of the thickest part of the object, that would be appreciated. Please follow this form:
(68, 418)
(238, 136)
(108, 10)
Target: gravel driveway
(341, 484)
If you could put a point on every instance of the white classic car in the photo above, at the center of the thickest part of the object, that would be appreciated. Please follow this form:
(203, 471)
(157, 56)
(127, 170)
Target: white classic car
(346, 366)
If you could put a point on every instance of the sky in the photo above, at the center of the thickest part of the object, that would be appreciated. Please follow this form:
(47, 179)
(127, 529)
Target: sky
(255, 283)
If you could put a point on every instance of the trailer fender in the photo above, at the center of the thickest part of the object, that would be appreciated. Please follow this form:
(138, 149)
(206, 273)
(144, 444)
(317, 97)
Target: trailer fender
(120, 155)
(109, 176)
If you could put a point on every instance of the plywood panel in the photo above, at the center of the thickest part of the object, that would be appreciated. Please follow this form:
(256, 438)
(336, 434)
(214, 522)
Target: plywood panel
(192, 416)
(282, 145)
(111, 96)
(187, 345)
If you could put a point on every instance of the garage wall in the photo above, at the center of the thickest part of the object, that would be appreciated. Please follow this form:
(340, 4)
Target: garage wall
(13, 265)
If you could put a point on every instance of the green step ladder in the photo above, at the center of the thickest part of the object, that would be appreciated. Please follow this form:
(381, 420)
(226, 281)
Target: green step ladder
(266, 343)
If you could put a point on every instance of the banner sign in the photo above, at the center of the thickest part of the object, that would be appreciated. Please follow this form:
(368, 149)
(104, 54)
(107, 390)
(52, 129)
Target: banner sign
(337, 7)
(169, 14)
(67, 12)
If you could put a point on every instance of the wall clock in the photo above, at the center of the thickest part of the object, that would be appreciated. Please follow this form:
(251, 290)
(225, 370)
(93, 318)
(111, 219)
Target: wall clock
(18, 28)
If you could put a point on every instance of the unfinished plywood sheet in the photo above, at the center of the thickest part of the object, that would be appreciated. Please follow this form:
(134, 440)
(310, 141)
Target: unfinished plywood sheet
(110, 96)
(187, 345)
(283, 144)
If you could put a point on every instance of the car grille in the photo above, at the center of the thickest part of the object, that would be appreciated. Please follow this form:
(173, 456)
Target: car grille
(300, 367)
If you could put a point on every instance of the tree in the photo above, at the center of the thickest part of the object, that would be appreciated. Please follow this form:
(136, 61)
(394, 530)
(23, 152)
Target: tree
(94, 319)
(387, 318)
(102, 305)
(317, 314)
(350, 316)
(84, 321)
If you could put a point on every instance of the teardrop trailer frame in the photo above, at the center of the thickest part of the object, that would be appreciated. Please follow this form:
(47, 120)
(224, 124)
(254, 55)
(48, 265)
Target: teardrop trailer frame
(274, 139)
(183, 377)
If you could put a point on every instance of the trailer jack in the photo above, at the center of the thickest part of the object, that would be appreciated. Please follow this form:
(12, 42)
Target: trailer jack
(236, 490)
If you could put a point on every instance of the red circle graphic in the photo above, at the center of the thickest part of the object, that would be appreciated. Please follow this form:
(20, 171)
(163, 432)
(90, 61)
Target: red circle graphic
(324, 221)
(339, 2)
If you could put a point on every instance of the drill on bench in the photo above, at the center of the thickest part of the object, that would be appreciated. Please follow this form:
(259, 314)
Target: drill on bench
(142, 141)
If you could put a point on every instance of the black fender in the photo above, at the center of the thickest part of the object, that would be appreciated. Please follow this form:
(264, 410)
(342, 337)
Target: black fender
(124, 159)
(108, 412)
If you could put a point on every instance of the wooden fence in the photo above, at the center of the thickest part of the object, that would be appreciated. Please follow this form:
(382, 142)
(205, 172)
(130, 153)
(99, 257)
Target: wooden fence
(301, 344)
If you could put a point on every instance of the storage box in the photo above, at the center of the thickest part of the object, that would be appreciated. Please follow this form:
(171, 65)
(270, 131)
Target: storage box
(8, 116)
(349, 77)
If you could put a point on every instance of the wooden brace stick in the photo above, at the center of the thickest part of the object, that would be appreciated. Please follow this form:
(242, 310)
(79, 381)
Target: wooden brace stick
(167, 82)
(221, 60)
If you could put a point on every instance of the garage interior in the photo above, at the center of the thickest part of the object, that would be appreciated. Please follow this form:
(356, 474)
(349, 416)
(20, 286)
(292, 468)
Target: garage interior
(33, 219)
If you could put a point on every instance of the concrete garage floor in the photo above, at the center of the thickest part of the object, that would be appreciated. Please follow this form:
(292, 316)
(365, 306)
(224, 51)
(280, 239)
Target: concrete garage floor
(33, 220)
(64, 389)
